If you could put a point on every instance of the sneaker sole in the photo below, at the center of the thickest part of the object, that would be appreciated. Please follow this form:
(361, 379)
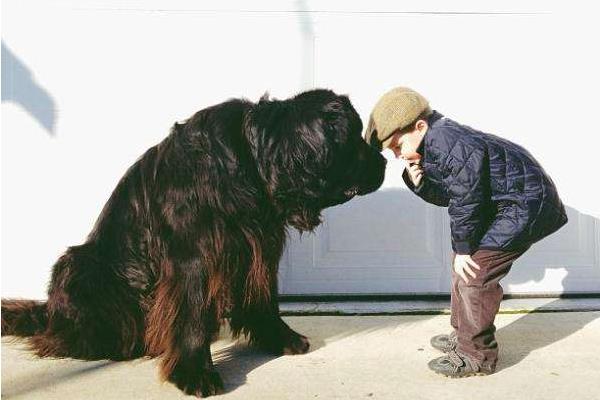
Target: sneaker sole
(465, 375)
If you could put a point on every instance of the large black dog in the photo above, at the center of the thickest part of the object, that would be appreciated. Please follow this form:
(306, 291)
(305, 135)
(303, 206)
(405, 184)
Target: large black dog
(194, 232)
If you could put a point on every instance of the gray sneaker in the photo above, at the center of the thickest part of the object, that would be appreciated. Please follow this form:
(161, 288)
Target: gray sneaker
(456, 365)
(444, 343)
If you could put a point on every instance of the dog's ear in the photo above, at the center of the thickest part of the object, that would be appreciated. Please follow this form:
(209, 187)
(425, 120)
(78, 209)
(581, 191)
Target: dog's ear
(216, 134)
(264, 97)
(297, 178)
(289, 145)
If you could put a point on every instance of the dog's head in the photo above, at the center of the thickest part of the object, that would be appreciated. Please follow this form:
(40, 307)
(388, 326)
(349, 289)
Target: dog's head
(311, 154)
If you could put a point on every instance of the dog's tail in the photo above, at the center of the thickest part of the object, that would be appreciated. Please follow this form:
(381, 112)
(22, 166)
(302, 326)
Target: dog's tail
(23, 317)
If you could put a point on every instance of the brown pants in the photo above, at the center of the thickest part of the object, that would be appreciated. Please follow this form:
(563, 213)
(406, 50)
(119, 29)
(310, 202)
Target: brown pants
(475, 305)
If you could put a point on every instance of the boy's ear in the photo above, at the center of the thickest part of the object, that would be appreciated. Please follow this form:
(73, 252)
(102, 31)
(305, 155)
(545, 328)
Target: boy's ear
(421, 125)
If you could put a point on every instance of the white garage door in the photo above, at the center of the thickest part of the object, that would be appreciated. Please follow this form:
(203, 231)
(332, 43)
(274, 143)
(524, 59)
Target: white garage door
(508, 71)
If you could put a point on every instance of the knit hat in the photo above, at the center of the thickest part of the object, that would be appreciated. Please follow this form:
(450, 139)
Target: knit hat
(395, 110)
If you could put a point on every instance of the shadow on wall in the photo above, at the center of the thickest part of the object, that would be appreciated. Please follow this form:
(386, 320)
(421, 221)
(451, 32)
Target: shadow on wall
(20, 87)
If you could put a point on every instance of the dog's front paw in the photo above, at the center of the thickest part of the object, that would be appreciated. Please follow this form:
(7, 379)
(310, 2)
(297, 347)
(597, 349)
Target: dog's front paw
(279, 339)
(204, 384)
(295, 343)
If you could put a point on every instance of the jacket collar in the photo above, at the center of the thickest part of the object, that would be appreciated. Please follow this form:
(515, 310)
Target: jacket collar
(432, 122)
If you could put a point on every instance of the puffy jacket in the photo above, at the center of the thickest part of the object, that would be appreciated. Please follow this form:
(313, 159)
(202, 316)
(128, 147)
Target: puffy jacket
(498, 196)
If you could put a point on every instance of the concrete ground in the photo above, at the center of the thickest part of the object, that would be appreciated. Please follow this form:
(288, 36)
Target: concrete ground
(552, 355)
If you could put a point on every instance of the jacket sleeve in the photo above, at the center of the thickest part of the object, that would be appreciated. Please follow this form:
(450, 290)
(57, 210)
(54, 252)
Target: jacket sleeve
(427, 190)
(467, 192)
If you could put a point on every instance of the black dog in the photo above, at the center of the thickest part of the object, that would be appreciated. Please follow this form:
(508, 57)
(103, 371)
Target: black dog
(194, 231)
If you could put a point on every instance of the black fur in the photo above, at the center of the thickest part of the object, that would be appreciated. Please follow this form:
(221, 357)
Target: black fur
(194, 230)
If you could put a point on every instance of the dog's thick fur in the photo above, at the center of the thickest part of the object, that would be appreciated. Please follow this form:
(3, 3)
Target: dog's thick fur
(195, 230)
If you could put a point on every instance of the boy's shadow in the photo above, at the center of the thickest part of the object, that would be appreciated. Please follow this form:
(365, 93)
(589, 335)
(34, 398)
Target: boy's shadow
(538, 329)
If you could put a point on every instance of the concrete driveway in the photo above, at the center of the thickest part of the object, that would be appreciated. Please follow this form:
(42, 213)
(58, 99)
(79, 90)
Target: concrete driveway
(543, 356)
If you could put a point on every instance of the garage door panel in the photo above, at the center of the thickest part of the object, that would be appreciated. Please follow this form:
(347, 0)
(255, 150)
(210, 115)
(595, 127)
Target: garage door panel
(567, 261)
(386, 242)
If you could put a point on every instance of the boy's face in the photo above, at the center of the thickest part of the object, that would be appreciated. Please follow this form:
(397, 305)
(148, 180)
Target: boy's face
(405, 143)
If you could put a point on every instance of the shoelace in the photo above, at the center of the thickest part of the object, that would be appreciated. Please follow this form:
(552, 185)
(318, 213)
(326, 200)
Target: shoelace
(451, 343)
(456, 360)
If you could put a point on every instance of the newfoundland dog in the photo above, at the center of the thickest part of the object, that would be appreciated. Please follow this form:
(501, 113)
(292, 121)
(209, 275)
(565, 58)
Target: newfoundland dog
(194, 232)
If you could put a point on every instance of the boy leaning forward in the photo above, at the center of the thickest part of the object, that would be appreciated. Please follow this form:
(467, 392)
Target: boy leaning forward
(500, 201)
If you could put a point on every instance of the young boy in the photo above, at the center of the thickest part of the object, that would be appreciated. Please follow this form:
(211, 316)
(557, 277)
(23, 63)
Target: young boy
(500, 202)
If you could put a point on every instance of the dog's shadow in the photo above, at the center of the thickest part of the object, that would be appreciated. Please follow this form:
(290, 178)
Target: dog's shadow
(42, 378)
(235, 359)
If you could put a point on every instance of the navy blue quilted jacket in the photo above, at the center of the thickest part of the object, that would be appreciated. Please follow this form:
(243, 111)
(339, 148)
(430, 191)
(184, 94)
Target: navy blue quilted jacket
(498, 196)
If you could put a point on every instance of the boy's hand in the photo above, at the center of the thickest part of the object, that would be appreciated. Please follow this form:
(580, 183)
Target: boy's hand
(415, 171)
(462, 264)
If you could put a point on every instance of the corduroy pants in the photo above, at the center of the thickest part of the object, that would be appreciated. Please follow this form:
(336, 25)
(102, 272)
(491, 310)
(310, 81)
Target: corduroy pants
(475, 305)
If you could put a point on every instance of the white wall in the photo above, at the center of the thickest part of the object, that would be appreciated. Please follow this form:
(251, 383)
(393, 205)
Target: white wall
(89, 85)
